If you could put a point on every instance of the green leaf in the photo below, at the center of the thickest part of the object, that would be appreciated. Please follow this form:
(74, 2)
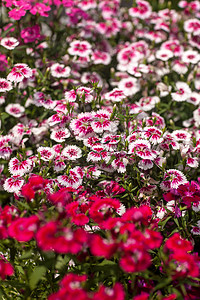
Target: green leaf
(61, 262)
(163, 223)
(4, 116)
(27, 254)
(162, 284)
(36, 276)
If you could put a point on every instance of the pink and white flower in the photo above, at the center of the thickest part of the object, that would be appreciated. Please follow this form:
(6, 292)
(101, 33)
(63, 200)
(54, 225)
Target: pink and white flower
(19, 72)
(13, 184)
(172, 179)
(126, 56)
(81, 92)
(40, 99)
(88, 77)
(145, 164)
(81, 126)
(183, 92)
(115, 95)
(80, 48)
(119, 164)
(5, 85)
(148, 103)
(15, 110)
(59, 70)
(98, 154)
(174, 46)
(59, 164)
(100, 57)
(17, 167)
(72, 180)
(9, 43)
(179, 67)
(129, 85)
(109, 27)
(164, 54)
(59, 135)
(181, 135)
(142, 148)
(138, 70)
(101, 122)
(46, 153)
(153, 134)
(192, 26)
(194, 98)
(72, 152)
(142, 10)
(190, 56)
(192, 162)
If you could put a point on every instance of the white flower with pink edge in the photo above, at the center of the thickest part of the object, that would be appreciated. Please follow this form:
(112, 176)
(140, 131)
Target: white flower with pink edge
(145, 164)
(142, 149)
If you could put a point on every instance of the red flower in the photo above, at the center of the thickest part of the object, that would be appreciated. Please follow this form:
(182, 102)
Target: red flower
(142, 214)
(71, 241)
(73, 211)
(6, 269)
(102, 209)
(105, 293)
(71, 288)
(23, 229)
(176, 242)
(186, 265)
(153, 239)
(60, 197)
(46, 236)
(143, 296)
(102, 247)
(136, 261)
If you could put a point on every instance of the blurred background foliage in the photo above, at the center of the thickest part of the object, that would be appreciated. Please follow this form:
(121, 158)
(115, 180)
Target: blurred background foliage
(156, 4)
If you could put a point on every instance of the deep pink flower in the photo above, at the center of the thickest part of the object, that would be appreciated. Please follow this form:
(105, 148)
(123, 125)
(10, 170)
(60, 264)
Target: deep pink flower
(60, 197)
(102, 247)
(143, 296)
(6, 269)
(23, 229)
(114, 293)
(177, 242)
(31, 34)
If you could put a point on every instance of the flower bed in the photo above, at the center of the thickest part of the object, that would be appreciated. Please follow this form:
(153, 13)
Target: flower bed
(99, 150)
